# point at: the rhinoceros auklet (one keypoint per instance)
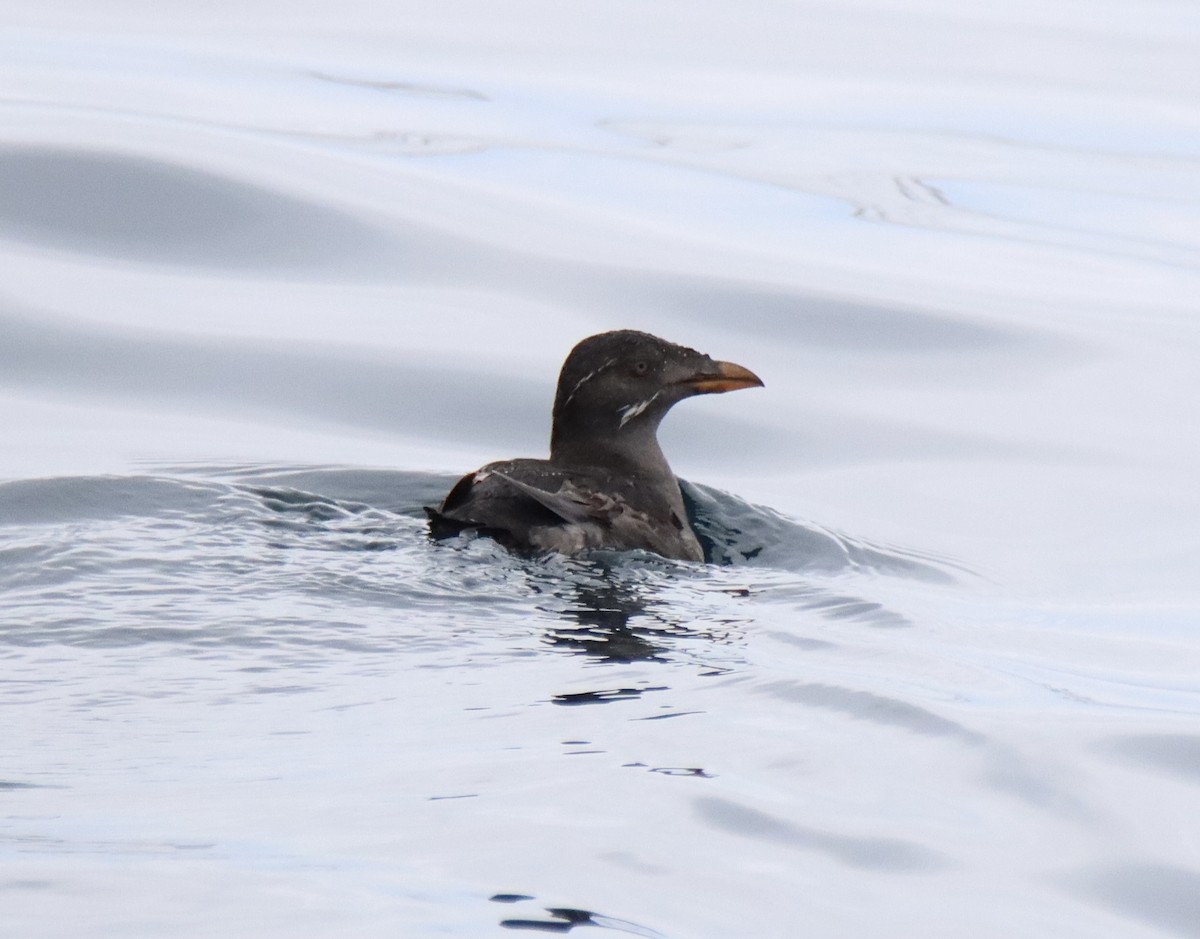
(606, 484)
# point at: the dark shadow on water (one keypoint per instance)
(397, 491)
(564, 919)
(866, 706)
(113, 204)
(305, 516)
(1176, 755)
(610, 617)
(893, 855)
(735, 532)
(576, 698)
(306, 505)
(84, 499)
(275, 380)
(1161, 896)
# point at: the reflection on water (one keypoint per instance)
(564, 920)
(609, 620)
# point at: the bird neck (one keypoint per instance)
(630, 451)
(640, 472)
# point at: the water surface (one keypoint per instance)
(275, 276)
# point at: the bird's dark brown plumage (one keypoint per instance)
(607, 484)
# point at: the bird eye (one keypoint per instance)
(641, 368)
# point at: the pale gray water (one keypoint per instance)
(275, 273)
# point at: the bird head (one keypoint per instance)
(615, 388)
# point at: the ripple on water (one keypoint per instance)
(1159, 895)
(340, 558)
(891, 854)
(134, 208)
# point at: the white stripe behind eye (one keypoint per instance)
(630, 411)
(586, 378)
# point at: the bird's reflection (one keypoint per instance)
(611, 615)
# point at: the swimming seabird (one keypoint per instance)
(607, 484)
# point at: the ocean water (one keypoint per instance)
(274, 275)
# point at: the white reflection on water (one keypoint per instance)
(947, 687)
